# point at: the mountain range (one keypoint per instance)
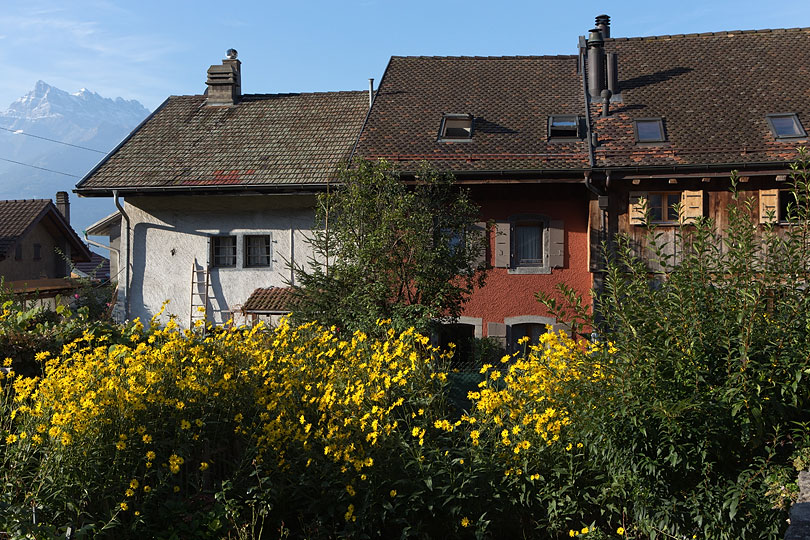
(83, 119)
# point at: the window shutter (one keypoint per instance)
(480, 228)
(556, 244)
(691, 206)
(768, 205)
(502, 244)
(637, 206)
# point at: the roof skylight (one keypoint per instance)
(785, 126)
(649, 130)
(563, 126)
(456, 127)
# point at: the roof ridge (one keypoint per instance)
(502, 57)
(723, 33)
(281, 94)
(25, 200)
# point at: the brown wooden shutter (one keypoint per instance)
(636, 207)
(768, 205)
(691, 206)
(480, 228)
(556, 244)
(502, 244)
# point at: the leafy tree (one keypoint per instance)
(702, 406)
(386, 250)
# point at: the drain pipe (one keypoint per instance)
(108, 248)
(126, 271)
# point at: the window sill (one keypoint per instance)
(529, 270)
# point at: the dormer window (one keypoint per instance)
(649, 130)
(563, 127)
(456, 127)
(785, 126)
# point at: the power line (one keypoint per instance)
(21, 132)
(40, 168)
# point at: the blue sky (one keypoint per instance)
(149, 50)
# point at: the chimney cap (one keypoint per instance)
(231, 54)
(602, 19)
(595, 38)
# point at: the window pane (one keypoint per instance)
(457, 128)
(649, 130)
(655, 204)
(257, 250)
(564, 126)
(224, 248)
(672, 210)
(786, 126)
(528, 244)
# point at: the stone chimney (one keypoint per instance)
(63, 204)
(225, 81)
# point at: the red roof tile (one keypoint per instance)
(270, 300)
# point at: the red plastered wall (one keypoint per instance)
(512, 295)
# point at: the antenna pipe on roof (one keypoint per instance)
(117, 202)
(370, 92)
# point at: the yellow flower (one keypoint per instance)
(393, 493)
(134, 483)
(584, 530)
(124, 507)
(120, 445)
(176, 489)
(147, 439)
(203, 466)
(129, 493)
(620, 531)
(11, 439)
(350, 490)
(147, 489)
(185, 424)
(465, 522)
(150, 455)
(572, 533)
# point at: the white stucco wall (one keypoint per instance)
(168, 234)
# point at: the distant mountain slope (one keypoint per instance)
(83, 119)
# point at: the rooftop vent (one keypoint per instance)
(225, 81)
(603, 24)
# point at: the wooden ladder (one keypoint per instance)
(200, 285)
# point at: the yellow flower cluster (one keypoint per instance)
(520, 404)
(291, 392)
(341, 397)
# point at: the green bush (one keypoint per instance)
(692, 431)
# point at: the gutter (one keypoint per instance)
(126, 272)
(108, 248)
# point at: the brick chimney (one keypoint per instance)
(225, 81)
(63, 204)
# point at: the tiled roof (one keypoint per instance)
(713, 92)
(264, 140)
(98, 267)
(18, 217)
(510, 98)
(270, 300)
(15, 219)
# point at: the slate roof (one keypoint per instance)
(18, 217)
(98, 267)
(270, 300)
(510, 98)
(713, 91)
(266, 140)
(15, 219)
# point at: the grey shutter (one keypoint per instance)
(502, 244)
(556, 244)
(480, 229)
